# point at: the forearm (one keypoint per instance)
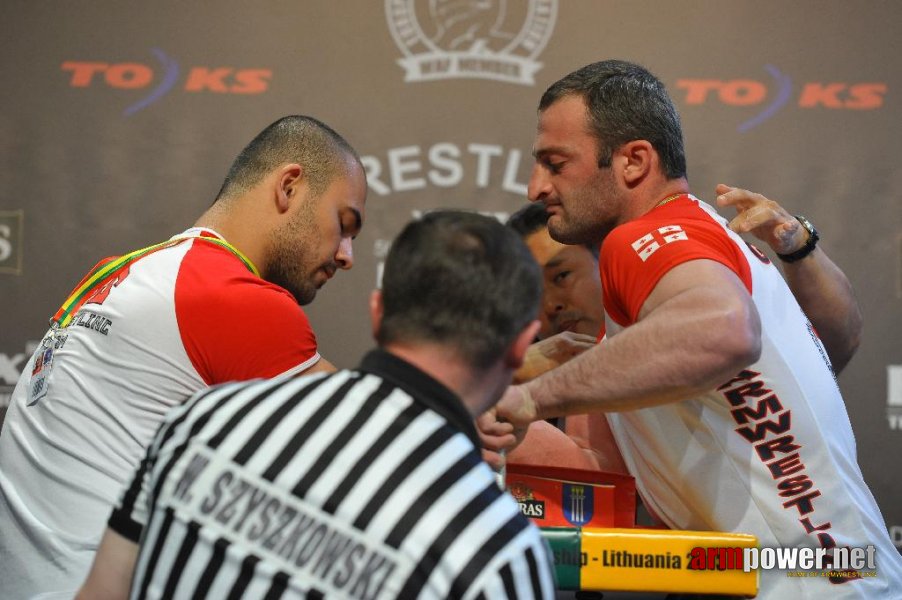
(678, 352)
(826, 296)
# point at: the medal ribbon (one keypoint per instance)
(104, 271)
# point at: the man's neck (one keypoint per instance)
(478, 390)
(655, 196)
(240, 227)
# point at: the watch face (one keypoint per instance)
(809, 244)
(812, 232)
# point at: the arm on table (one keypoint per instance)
(592, 432)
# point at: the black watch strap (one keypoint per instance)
(809, 246)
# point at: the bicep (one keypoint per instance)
(703, 307)
(710, 283)
(114, 564)
(255, 332)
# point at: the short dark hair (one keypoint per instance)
(533, 217)
(528, 219)
(625, 103)
(318, 148)
(462, 279)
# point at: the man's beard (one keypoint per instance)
(586, 223)
(288, 276)
(290, 252)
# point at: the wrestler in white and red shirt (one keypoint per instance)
(770, 451)
(165, 326)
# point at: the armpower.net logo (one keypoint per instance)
(839, 564)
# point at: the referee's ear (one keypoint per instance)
(517, 350)
(376, 309)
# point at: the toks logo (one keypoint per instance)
(132, 75)
(749, 92)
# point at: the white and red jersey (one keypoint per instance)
(169, 324)
(770, 452)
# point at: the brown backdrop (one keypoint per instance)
(119, 121)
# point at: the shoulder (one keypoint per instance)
(235, 325)
(637, 254)
(213, 277)
(664, 225)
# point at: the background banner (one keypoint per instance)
(120, 120)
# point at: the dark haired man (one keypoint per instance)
(719, 393)
(571, 295)
(359, 484)
(219, 302)
(571, 290)
(571, 302)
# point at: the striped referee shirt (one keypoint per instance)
(360, 484)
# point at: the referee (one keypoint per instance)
(360, 484)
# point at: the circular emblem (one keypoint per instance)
(487, 39)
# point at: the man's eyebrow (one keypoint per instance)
(554, 262)
(358, 220)
(542, 152)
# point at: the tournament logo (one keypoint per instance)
(483, 39)
(11, 230)
(578, 503)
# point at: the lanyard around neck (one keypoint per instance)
(104, 272)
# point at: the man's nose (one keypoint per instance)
(539, 184)
(345, 255)
(552, 304)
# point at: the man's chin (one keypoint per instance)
(305, 296)
(559, 231)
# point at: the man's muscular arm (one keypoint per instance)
(819, 286)
(696, 329)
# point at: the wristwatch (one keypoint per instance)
(809, 245)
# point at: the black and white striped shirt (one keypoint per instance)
(360, 484)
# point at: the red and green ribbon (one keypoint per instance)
(104, 271)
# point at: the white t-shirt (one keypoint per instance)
(163, 327)
(770, 452)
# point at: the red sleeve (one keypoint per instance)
(236, 326)
(637, 254)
